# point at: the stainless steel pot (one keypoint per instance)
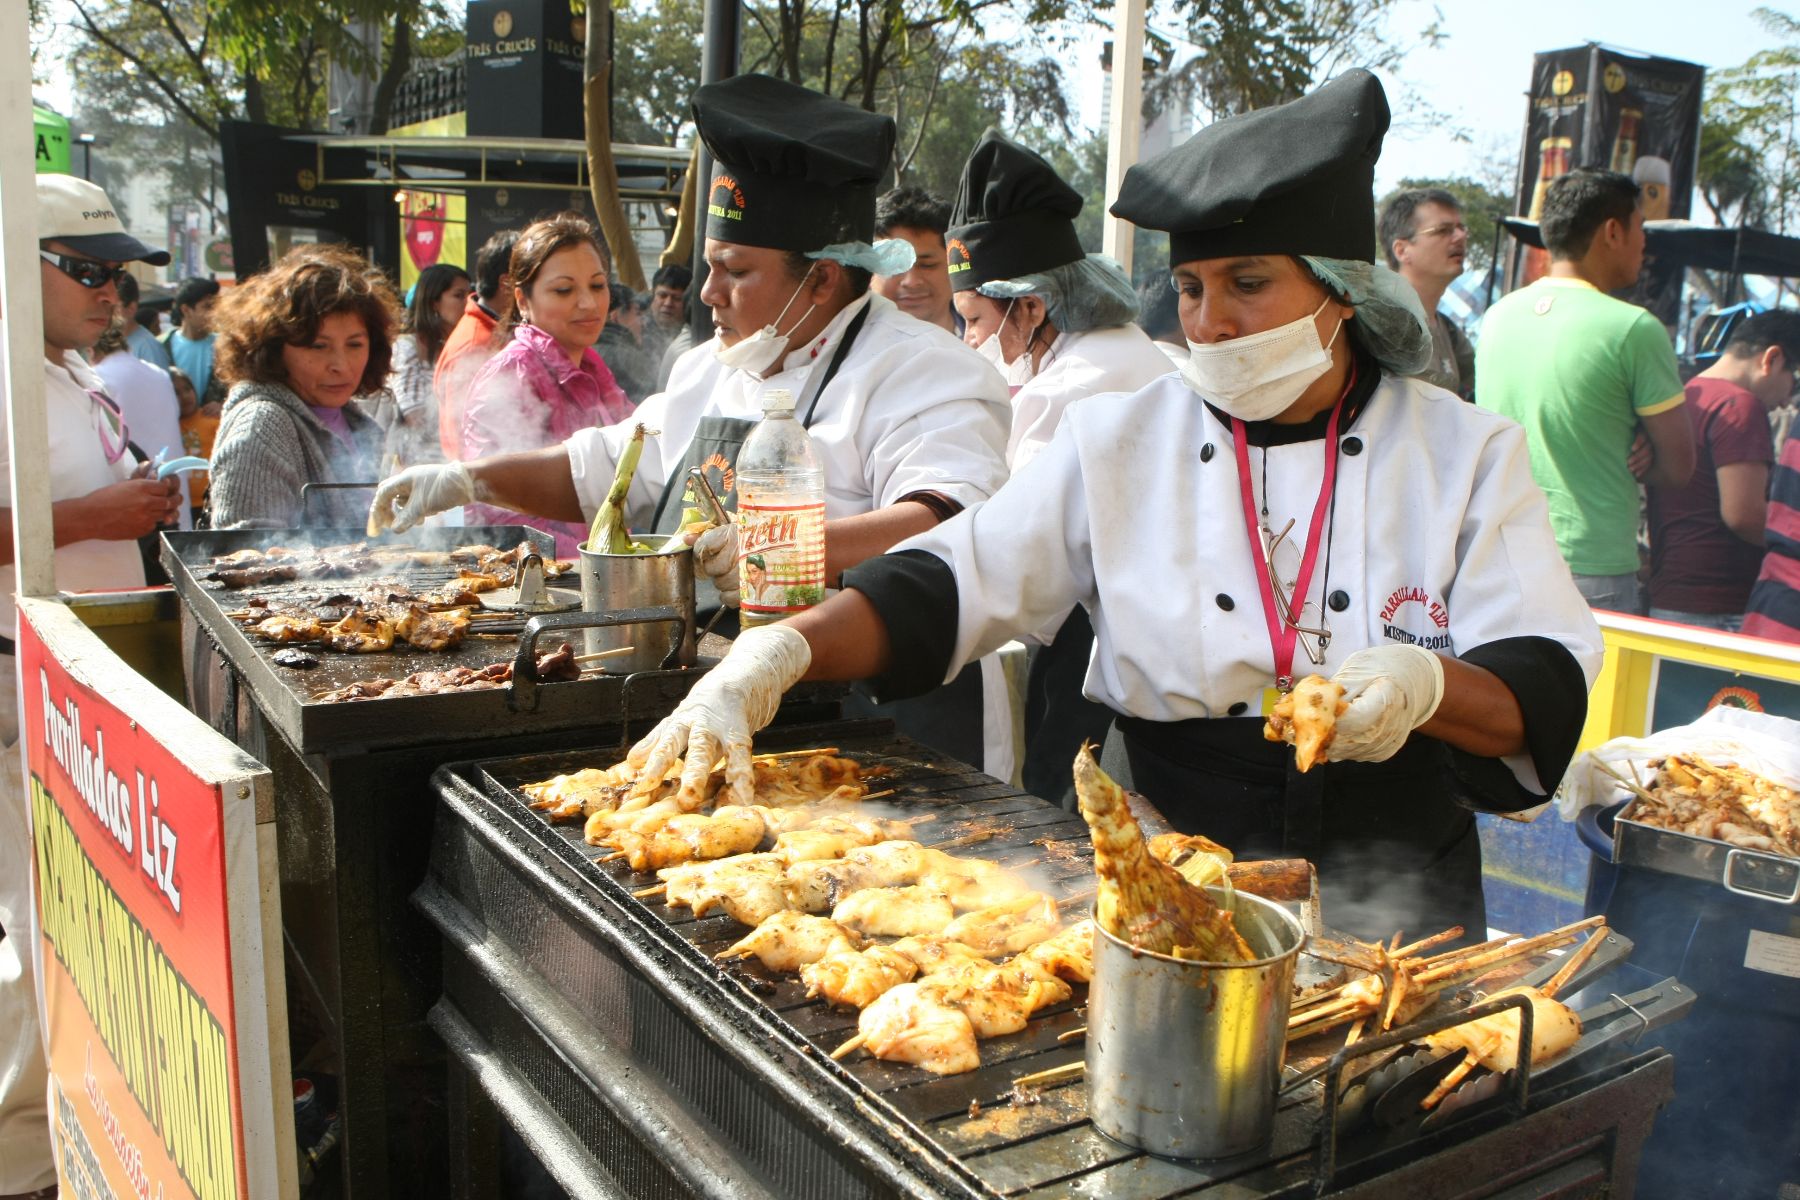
(614, 582)
(1184, 1058)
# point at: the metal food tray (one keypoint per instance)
(1758, 874)
(286, 696)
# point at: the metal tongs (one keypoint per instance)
(703, 488)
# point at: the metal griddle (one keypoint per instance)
(286, 696)
(600, 1026)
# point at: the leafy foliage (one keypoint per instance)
(1749, 168)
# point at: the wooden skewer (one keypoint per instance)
(848, 1048)
(620, 652)
(1069, 1035)
(644, 893)
(1074, 1070)
(1576, 961)
(1449, 964)
(891, 791)
(775, 754)
(1450, 1082)
(1436, 939)
(1356, 1030)
(612, 857)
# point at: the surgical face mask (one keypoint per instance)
(764, 348)
(1019, 371)
(1259, 376)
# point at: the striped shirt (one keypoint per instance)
(1774, 609)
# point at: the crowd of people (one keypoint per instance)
(1017, 443)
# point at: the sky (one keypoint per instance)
(1480, 73)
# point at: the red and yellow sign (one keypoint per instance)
(137, 971)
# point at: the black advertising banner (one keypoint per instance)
(1591, 106)
(492, 209)
(525, 67)
(277, 199)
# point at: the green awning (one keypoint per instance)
(52, 138)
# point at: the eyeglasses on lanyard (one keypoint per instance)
(1284, 600)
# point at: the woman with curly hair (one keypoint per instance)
(296, 343)
(546, 381)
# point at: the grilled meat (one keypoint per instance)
(894, 911)
(852, 978)
(360, 633)
(255, 576)
(1142, 901)
(909, 1024)
(1307, 718)
(428, 683)
(1069, 954)
(1006, 928)
(288, 628)
(432, 631)
(790, 941)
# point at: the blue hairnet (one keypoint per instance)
(890, 256)
(1390, 321)
(1090, 293)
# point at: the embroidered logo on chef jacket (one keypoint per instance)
(956, 255)
(1412, 605)
(721, 474)
(726, 199)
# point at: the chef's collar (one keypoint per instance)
(1269, 433)
(826, 338)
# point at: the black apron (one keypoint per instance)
(1058, 718)
(1394, 848)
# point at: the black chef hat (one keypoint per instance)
(1013, 216)
(1297, 178)
(793, 169)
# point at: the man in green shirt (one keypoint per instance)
(1585, 375)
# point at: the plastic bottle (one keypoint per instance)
(781, 516)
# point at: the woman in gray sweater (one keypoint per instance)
(297, 343)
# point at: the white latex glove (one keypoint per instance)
(732, 701)
(716, 553)
(404, 500)
(1390, 691)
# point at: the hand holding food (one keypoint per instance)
(1307, 718)
(403, 500)
(1389, 691)
(733, 700)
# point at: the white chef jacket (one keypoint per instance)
(1440, 538)
(1120, 359)
(77, 466)
(911, 409)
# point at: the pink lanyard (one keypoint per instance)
(113, 453)
(1282, 631)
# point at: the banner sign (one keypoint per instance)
(1590, 106)
(524, 67)
(164, 1074)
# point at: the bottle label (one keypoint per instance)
(781, 558)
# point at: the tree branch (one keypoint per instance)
(154, 77)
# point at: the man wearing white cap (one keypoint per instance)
(102, 501)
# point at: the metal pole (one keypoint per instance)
(1126, 123)
(721, 37)
(22, 302)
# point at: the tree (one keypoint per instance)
(1749, 168)
(655, 69)
(1255, 53)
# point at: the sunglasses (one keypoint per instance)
(88, 272)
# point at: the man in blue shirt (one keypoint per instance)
(190, 343)
(140, 341)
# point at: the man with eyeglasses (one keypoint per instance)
(1425, 240)
(102, 501)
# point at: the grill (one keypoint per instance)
(599, 1026)
(353, 817)
(285, 696)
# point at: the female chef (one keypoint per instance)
(1057, 323)
(1409, 552)
(910, 424)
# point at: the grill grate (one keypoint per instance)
(752, 1065)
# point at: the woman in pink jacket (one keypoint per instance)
(545, 381)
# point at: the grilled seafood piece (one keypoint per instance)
(286, 628)
(855, 978)
(818, 886)
(1142, 901)
(747, 887)
(908, 1024)
(360, 633)
(684, 837)
(432, 631)
(1307, 718)
(793, 941)
(895, 911)
(1006, 928)
(1068, 954)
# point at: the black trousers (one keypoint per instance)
(1058, 718)
(1394, 847)
(948, 719)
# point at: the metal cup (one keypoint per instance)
(1184, 1058)
(613, 582)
